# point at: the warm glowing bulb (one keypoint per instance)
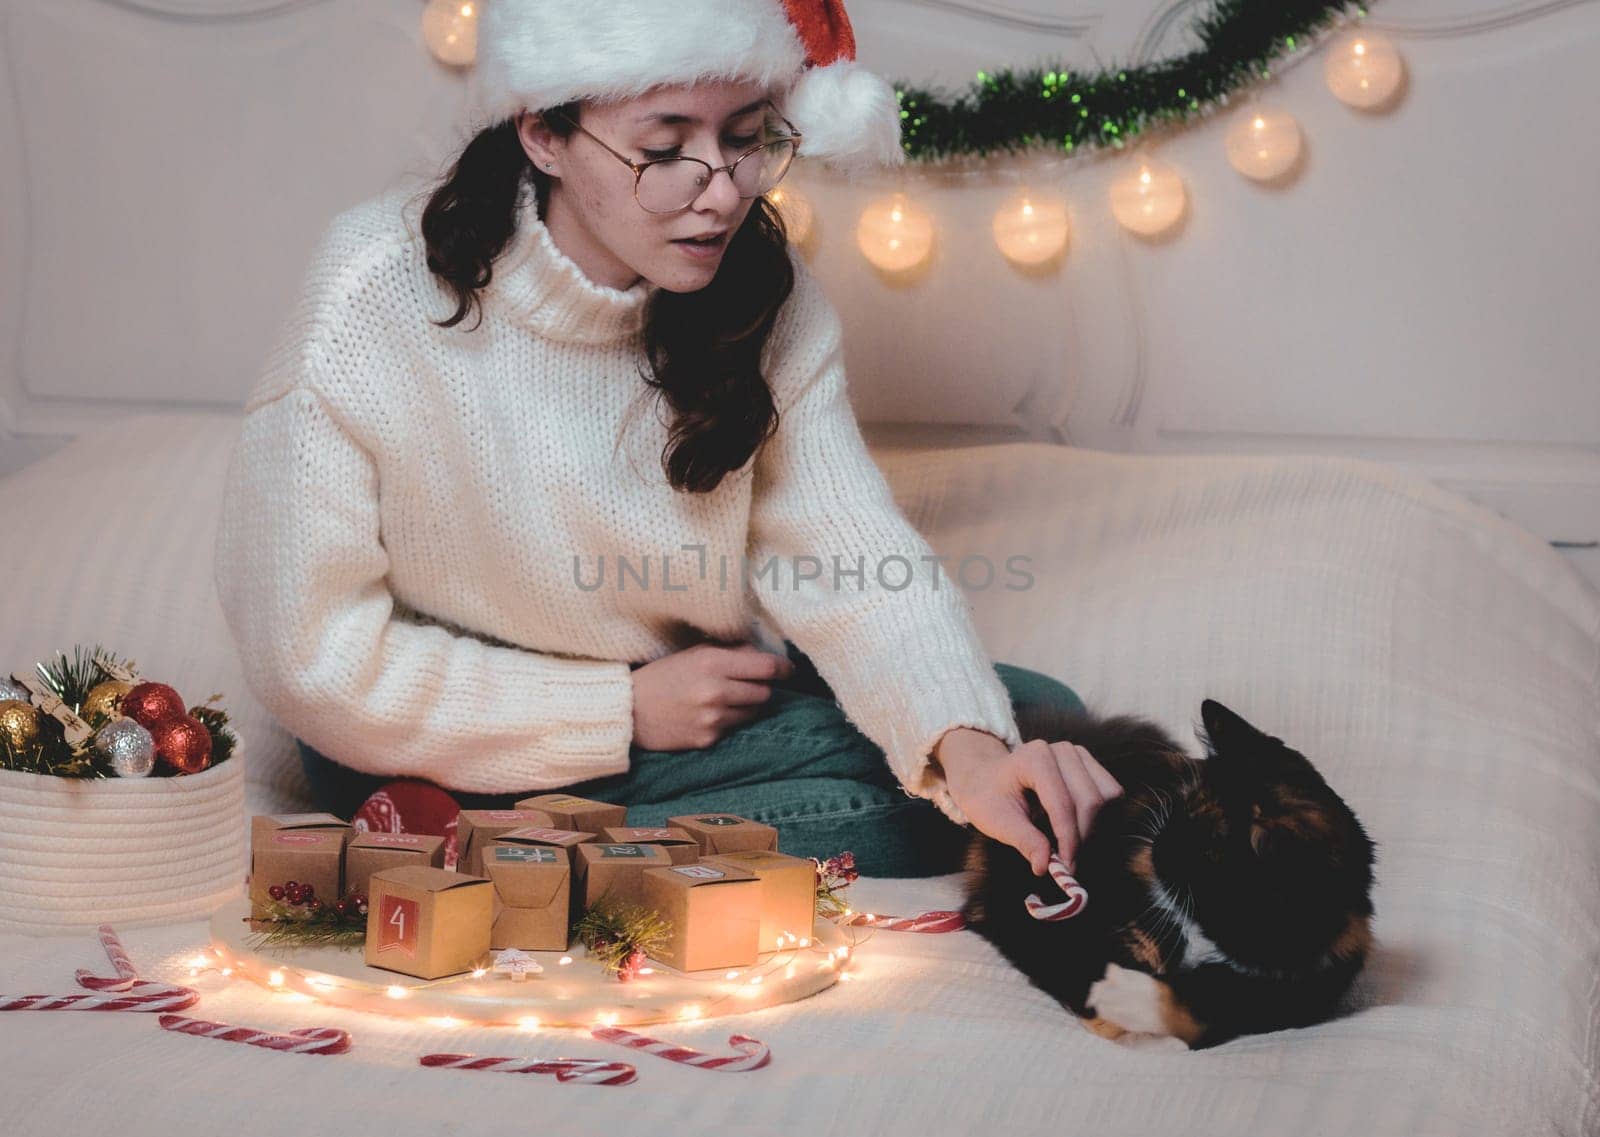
(478, 973)
(1263, 145)
(843, 975)
(1031, 228)
(321, 983)
(895, 234)
(199, 961)
(841, 952)
(1151, 200)
(608, 1018)
(731, 975)
(564, 960)
(1363, 70)
(690, 1013)
(805, 941)
(755, 979)
(445, 1021)
(227, 971)
(450, 29)
(395, 991)
(275, 979)
(796, 211)
(529, 1022)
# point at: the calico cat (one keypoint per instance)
(1227, 896)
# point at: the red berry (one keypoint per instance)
(291, 884)
(316, 905)
(276, 892)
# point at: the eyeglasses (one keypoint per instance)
(668, 185)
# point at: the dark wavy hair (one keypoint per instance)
(703, 348)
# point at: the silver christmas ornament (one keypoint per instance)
(10, 689)
(128, 746)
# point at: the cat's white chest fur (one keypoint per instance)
(1198, 947)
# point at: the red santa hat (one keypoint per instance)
(536, 54)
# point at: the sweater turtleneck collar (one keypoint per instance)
(542, 288)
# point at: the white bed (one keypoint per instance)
(1439, 664)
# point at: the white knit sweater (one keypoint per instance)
(415, 518)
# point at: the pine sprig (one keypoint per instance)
(343, 925)
(1059, 108)
(614, 930)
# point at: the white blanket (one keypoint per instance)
(1441, 666)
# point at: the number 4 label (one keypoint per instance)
(397, 925)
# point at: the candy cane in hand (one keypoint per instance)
(592, 1071)
(311, 1040)
(753, 1052)
(1077, 895)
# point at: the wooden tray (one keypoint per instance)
(579, 993)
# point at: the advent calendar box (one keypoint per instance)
(303, 847)
(532, 885)
(368, 853)
(613, 870)
(571, 812)
(788, 893)
(726, 832)
(475, 828)
(428, 922)
(679, 843)
(715, 911)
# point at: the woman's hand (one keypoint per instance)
(690, 698)
(987, 782)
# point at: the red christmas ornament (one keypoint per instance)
(151, 704)
(184, 744)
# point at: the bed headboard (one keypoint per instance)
(1420, 290)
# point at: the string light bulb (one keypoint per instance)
(450, 29)
(1031, 228)
(1263, 142)
(796, 211)
(1363, 70)
(895, 233)
(1150, 199)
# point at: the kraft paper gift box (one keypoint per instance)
(715, 912)
(368, 853)
(304, 847)
(679, 843)
(428, 922)
(533, 895)
(788, 893)
(475, 828)
(544, 835)
(612, 870)
(726, 832)
(571, 812)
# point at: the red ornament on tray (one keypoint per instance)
(151, 704)
(184, 744)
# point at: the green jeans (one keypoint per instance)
(801, 767)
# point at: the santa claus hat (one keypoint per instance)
(535, 54)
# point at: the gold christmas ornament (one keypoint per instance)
(105, 698)
(19, 724)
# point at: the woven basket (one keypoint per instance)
(77, 852)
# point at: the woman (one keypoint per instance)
(434, 529)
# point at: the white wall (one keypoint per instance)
(1420, 291)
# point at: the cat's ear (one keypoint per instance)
(1223, 727)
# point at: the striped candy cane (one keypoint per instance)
(143, 997)
(126, 975)
(591, 1071)
(753, 1052)
(1077, 895)
(311, 1040)
(938, 920)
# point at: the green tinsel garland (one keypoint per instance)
(1054, 107)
